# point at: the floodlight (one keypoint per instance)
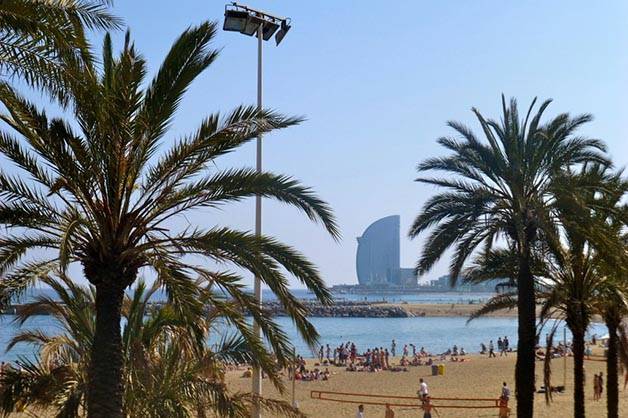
(269, 29)
(285, 27)
(235, 20)
(252, 24)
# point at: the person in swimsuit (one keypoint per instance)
(428, 407)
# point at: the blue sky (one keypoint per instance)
(377, 81)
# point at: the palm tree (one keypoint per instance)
(169, 369)
(570, 283)
(501, 188)
(614, 307)
(103, 198)
(38, 38)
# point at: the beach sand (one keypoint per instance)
(479, 377)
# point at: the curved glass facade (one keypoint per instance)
(378, 259)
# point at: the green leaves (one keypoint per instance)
(502, 187)
(39, 40)
(168, 368)
(100, 192)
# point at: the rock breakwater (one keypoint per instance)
(345, 309)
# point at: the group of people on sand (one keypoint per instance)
(503, 347)
(560, 350)
(598, 386)
(379, 358)
(342, 355)
(302, 373)
(424, 398)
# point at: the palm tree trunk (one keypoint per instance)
(524, 369)
(612, 389)
(578, 373)
(105, 386)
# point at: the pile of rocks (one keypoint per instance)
(345, 309)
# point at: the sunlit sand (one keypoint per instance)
(479, 377)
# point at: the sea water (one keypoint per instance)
(436, 334)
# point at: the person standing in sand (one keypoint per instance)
(595, 388)
(360, 413)
(393, 348)
(389, 412)
(428, 407)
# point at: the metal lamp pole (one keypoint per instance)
(257, 287)
(248, 21)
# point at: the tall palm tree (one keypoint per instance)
(571, 284)
(169, 369)
(501, 188)
(101, 196)
(38, 38)
(612, 307)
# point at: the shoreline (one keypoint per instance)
(461, 310)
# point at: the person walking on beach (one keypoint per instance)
(389, 412)
(360, 413)
(428, 407)
(491, 349)
(320, 354)
(505, 392)
(328, 352)
(504, 411)
(423, 390)
(393, 348)
(600, 384)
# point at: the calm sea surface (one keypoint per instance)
(435, 334)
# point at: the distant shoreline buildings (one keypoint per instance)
(378, 259)
(378, 265)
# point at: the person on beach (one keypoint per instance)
(328, 352)
(504, 411)
(600, 384)
(423, 390)
(360, 413)
(389, 412)
(596, 389)
(505, 392)
(405, 350)
(393, 348)
(491, 349)
(428, 407)
(500, 344)
(382, 358)
(320, 354)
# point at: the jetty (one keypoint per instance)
(345, 309)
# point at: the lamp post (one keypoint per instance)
(248, 21)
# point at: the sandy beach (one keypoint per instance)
(479, 377)
(449, 309)
(456, 310)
